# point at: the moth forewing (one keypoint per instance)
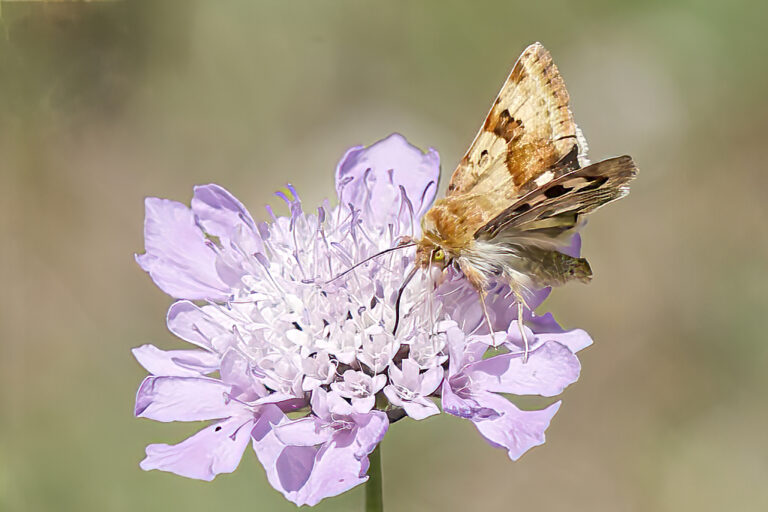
(559, 204)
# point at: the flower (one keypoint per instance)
(280, 327)
(410, 388)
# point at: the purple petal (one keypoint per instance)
(342, 463)
(303, 432)
(176, 363)
(294, 466)
(265, 442)
(235, 370)
(371, 178)
(546, 328)
(288, 468)
(214, 450)
(364, 404)
(177, 257)
(319, 404)
(378, 382)
(517, 431)
(196, 325)
(431, 380)
(456, 397)
(549, 369)
(391, 393)
(574, 247)
(420, 408)
(286, 402)
(371, 429)
(184, 399)
(336, 404)
(219, 212)
(307, 474)
(461, 350)
(333, 471)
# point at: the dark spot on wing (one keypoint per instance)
(595, 182)
(520, 209)
(506, 126)
(556, 191)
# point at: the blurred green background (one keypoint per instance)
(102, 104)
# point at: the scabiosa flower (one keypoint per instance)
(278, 331)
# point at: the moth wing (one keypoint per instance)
(544, 214)
(528, 130)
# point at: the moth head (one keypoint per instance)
(429, 253)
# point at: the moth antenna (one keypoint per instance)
(369, 258)
(400, 296)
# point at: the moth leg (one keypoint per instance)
(478, 281)
(482, 294)
(520, 309)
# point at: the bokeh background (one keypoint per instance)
(104, 103)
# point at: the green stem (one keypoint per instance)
(373, 494)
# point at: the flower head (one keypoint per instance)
(267, 310)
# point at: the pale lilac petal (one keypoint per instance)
(371, 428)
(549, 369)
(337, 405)
(265, 442)
(294, 466)
(334, 470)
(236, 371)
(214, 450)
(391, 393)
(288, 467)
(194, 324)
(410, 374)
(305, 475)
(319, 403)
(370, 178)
(574, 247)
(364, 404)
(176, 363)
(184, 399)
(378, 382)
(420, 408)
(456, 397)
(461, 350)
(546, 328)
(219, 212)
(177, 256)
(517, 431)
(395, 373)
(303, 432)
(430, 380)
(286, 402)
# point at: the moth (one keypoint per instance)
(519, 194)
(521, 191)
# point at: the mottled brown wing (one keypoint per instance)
(528, 130)
(545, 213)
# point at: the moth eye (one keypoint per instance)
(439, 255)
